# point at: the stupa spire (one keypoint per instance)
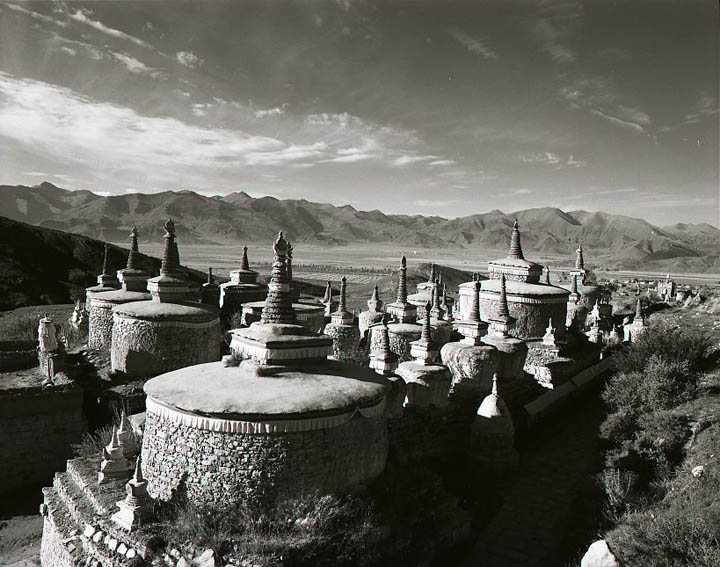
(431, 278)
(425, 335)
(244, 264)
(133, 261)
(375, 303)
(106, 266)
(289, 262)
(402, 282)
(328, 293)
(503, 311)
(515, 246)
(278, 305)
(579, 261)
(494, 390)
(170, 259)
(474, 314)
(342, 305)
(574, 285)
(210, 278)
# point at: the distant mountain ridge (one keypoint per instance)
(238, 218)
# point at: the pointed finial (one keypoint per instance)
(375, 303)
(106, 267)
(579, 261)
(328, 293)
(170, 227)
(171, 258)
(515, 246)
(210, 279)
(244, 264)
(343, 294)
(114, 441)
(431, 277)
(550, 327)
(638, 309)
(402, 282)
(132, 261)
(495, 385)
(574, 285)
(503, 310)
(547, 276)
(425, 336)
(474, 314)
(137, 475)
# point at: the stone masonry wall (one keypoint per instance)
(532, 318)
(100, 325)
(221, 467)
(37, 426)
(148, 348)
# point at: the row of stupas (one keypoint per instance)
(298, 407)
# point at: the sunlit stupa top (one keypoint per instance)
(514, 266)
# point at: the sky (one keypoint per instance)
(427, 107)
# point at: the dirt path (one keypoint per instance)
(549, 510)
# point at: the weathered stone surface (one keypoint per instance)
(215, 390)
(151, 337)
(346, 343)
(101, 317)
(401, 335)
(599, 555)
(427, 385)
(472, 369)
(512, 353)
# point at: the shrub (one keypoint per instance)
(92, 444)
(671, 343)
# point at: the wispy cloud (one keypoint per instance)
(67, 45)
(474, 44)
(37, 15)
(135, 66)
(189, 59)
(276, 111)
(541, 158)
(81, 16)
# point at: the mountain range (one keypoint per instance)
(237, 218)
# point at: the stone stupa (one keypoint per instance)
(301, 422)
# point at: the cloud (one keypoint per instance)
(66, 45)
(70, 128)
(558, 24)
(68, 50)
(623, 123)
(542, 158)
(37, 15)
(572, 162)
(189, 59)
(477, 45)
(291, 153)
(135, 66)
(523, 191)
(277, 111)
(442, 162)
(81, 17)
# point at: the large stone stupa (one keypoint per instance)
(168, 331)
(285, 421)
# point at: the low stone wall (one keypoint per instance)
(230, 462)
(53, 553)
(18, 355)
(149, 348)
(37, 426)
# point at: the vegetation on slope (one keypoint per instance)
(662, 469)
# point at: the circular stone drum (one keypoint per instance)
(312, 317)
(232, 435)
(151, 337)
(100, 316)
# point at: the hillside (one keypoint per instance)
(43, 266)
(238, 218)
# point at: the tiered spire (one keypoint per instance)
(444, 303)
(106, 266)
(289, 262)
(210, 279)
(375, 303)
(424, 350)
(382, 359)
(170, 259)
(503, 310)
(436, 311)
(432, 277)
(402, 282)
(136, 506)
(278, 305)
(244, 264)
(133, 261)
(328, 293)
(639, 315)
(342, 316)
(114, 463)
(515, 246)
(579, 261)
(125, 436)
(474, 314)
(574, 285)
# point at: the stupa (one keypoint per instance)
(100, 304)
(427, 381)
(300, 422)
(512, 352)
(210, 292)
(167, 331)
(492, 447)
(344, 331)
(242, 288)
(530, 302)
(426, 291)
(638, 325)
(106, 281)
(137, 505)
(375, 313)
(404, 328)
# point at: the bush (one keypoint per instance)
(670, 343)
(312, 530)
